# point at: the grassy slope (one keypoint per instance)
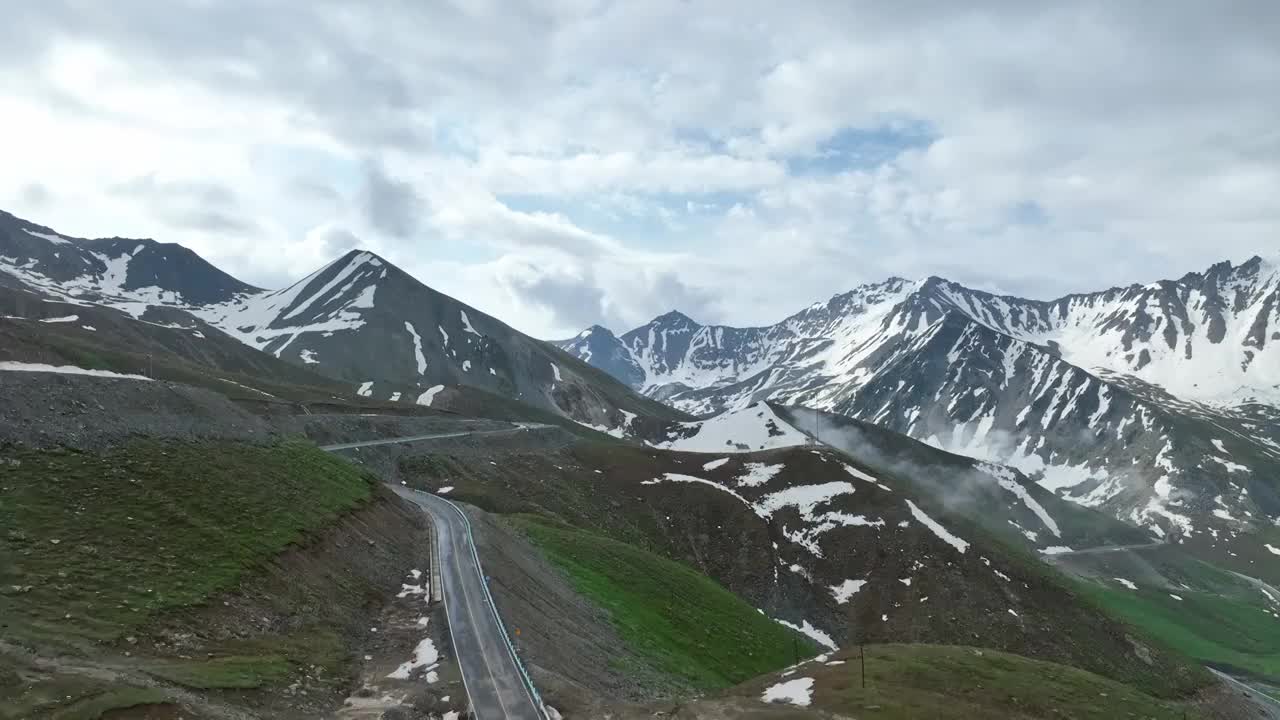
(1221, 619)
(105, 541)
(1213, 629)
(927, 681)
(684, 622)
(97, 546)
(568, 488)
(97, 704)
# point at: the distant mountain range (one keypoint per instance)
(359, 320)
(1159, 404)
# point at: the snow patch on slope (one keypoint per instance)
(798, 691)
(427, 397)
(55, 239)
(715, 464)
(65, 370)
(846, 590)
(756, 473)
(941, 532)
(1009, 481)
(681, 478)
(754, 428)
(417, 347)
(466, 324)
(805, 628)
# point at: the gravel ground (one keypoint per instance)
(341, 427)
(46, 410)
(384, 460)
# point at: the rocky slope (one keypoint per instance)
(1154, 403)
(359, 320)
(830, 544)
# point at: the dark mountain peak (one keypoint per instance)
(674, 319)
(889, 284)
(1250, 270)
(591, 336)
(359, 258)
(364, 255)
(1252, 266)
(597, 331)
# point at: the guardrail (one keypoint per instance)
(484, 583)
(435, 589)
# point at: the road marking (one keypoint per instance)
(526, 682)
(428, 506)
(449, 620)
(484, 655)
(445, 597)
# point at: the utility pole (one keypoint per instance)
(862, 655)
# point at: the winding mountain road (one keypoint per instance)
(1267, 706)
(494, 681)
(519, 427)
(496, 685)
(1105, 549)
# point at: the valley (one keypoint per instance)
(359, 498)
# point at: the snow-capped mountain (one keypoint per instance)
(358, 319)
(120, 272)
(1001, 499)
(1133, 400)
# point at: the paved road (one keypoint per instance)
(520, 427)
(1105, 549)
(1269, 708)
(493, 681)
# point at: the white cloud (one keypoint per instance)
(657, 142)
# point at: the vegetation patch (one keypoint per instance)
(919, 681)
(1226, 632)
(670, 614)
(221, 673)
(97, 543)
(95, 706)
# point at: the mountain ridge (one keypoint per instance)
(1008, 380)
(358, 319)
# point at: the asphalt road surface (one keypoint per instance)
(494, 683)
(520, 427)
(1105, 549)
(1269, 708)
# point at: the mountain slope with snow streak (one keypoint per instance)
(845, 556)
(1017, 382)
(359, 320)
(130, 275)
(753, 428)
(1003, 501)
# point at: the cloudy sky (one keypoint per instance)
(559, 163)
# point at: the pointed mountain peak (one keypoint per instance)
(674, 318)
(362, 257)
(596, 330)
